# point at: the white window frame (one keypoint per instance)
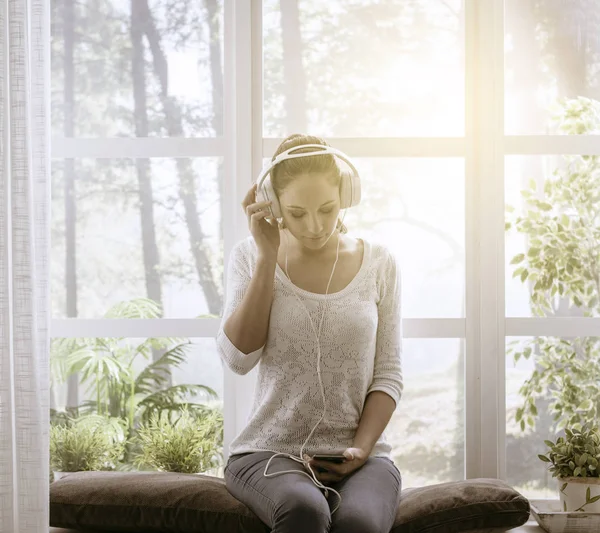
(483, 148)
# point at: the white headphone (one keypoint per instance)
(350, 191)
(350, 194)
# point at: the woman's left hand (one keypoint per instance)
(355, 458)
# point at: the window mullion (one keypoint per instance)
(485, 388)
(240, 100)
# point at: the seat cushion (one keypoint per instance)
(152, 502)
(471, 504)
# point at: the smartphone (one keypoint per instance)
(335, 458)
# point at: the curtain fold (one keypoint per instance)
(24, 265)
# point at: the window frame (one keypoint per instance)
(483, 148)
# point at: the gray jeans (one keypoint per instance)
(291, 503)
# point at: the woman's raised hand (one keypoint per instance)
(265, 233)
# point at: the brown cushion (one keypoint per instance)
(461, 506)
(149, 502)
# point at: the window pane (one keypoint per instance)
(554, 237)
(137, 228)
(201, 368)
(368, 69)
(141, 73)
(564, 384)
(416, 207)
(552, 52)
(427, 431)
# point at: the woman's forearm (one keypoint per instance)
(378, 410)
(248, 325)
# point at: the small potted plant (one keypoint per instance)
(575, 461)
(84, 444)
(187, 445)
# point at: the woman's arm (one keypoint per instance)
(245, 323)
(248, 325)
(387, 370)
(376, 415)
(387, 381)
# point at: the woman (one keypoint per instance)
(277, 295)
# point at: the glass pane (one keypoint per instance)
(155, 72)
(551, 54)
(427, 432)
(553, 242)
(416, 207)
(200, 368)
(564, 383)
(364, 69)
(137, 228)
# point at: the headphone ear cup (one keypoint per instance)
(349, 190)
(267, 194)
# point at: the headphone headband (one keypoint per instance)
(287, 154)
(322, 149)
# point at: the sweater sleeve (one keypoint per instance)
(238, 279)
(387, 370)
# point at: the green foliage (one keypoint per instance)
(568, 374)
(106, 364)
(187, 446)
(577, 455)
(577, 116)
(86, 443)
(564, 238)
(562, 226)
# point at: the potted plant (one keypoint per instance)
(84, 444)
(189, 445)
(575, 461)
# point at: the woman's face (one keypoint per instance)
(310, 205)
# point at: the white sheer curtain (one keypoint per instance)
(24, 265)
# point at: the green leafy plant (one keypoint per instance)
(107, 365)
(186, 446)
(86, 443)
(562, 224)
(575, 455)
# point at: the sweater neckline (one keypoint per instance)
(319, 296)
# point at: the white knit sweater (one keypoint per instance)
(361, 349)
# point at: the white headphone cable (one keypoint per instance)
(318, 336)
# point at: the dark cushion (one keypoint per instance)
(471, 504)
(149, 502)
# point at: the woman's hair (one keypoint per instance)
(286, 171)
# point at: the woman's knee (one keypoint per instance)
(356, 522)
(307, 510)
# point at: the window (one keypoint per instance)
(138, 177)
(427, 431)
(363, 69)
(551, 54)
(137, 234)
(450, 110)
(552, 240)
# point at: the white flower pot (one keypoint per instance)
(574, 492)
